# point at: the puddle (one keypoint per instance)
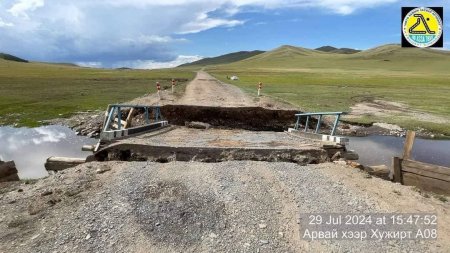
(377, 150)
(30, 147)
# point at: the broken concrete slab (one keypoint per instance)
(8, 171)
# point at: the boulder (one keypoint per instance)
(8, 171)
(197, 125)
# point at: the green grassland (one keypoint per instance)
(321, 81)
(31, 92)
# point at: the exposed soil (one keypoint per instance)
(380, 108)
(240, 206)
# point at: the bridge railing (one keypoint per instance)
(320, 115)
(115, 127)
(114, 115)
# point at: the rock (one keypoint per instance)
(262, 242)
(336, 156)
(35, 236)
(91, 134)
(103, 169)
(197, 125)
(351, 155)
(8, 171)
(88, 237)
(355, 165)
(47, 192)
(340, 162)
(262, 226)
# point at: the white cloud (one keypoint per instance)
(21, 7)
(203, 22)
(114, 31)
(149, 64)
(5, 24)
(47, 135)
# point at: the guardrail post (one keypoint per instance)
(146, 115)
(156, 113)
(297, 123)
(307, 123)
(119, 117)
(333, 132)
(318, 123)
(110, 116)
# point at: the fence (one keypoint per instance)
(425, 176)
(319, 120)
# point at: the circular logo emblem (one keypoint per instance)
(422, 27)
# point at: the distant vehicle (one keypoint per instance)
(234, 78)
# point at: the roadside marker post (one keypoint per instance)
(173, 85)
(158, 86)
(259, 88)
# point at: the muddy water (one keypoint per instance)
(377, 150)
(30, 147)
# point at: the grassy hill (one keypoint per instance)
(30, 92)
(344, 50)
(322, 81)
(9, 57)
(223, 59)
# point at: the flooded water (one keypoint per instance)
(30, 147)
(377, 150)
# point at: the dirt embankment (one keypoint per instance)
(235, 206)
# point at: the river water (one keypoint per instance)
(30, 147)
(378, 150)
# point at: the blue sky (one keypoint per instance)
(164, 33)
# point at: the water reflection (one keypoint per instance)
(30, 147)
(377, 150)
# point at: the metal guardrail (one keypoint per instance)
(319, 120)
(116, 110)
(115, 127)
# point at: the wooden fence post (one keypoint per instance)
(409, 142)
(396, 165)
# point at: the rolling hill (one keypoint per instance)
(344, 50)
(386, 57)
(9, 57)
(224, 59)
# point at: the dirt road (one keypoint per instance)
(205, 90)
(239, 206)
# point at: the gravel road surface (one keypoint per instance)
(239, 206)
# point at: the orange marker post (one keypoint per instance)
(259, 88)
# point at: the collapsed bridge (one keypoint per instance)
(246, 140)
(143, 133)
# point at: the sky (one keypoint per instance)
(165, 33)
